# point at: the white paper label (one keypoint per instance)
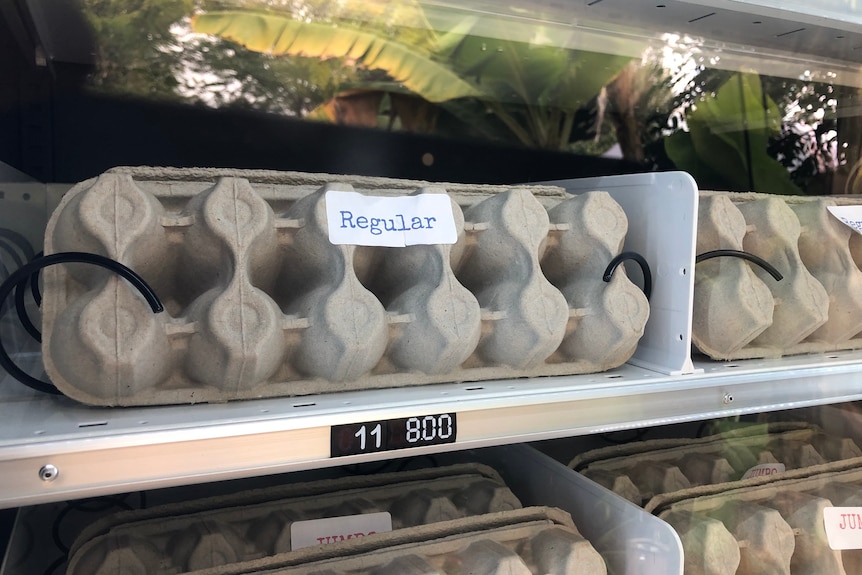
(843, 527)
(359, 220)
(764, 469)
(850, 215)
(337, 529)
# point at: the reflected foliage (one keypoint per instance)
(390, 65)
(728, 137)
(133, 44)
(531, 89)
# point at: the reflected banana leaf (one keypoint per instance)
(531, 88)
(279, 34)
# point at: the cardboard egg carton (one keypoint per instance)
(775, 523)
(639, 471)
(260, 303)
(525, 541)
(203, 533)
(740, 311)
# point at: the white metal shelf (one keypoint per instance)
(821, 41)
(101, 451)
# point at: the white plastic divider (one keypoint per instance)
(630, 540)
(662, 214)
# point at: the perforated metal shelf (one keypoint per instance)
(100, 451)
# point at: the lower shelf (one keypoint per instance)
(629, 539)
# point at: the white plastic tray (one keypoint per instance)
(631, 541)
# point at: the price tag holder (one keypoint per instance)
(328, 530)
(851, 216)
(359, 220)
(392, 434)
(843, 527)
(765, 469)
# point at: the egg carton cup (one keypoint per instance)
(199, 534)
(638, 471)
(740, 311)
(525, 541)
(259, 303)
(776, 522)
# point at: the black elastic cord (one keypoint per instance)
(21, 308)
(4, 273)
(612, 267)
(23, 316)
(20, 241)
(23, 274)
(6, 247)
(34, 284)
(742, 255)
(16, 259)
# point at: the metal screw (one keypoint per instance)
(48, 473)
(728, 398)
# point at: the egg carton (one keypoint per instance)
(771, 525)
(528, 541)
(740, 311)
(260, 303)
(199, 534)
(638, 471)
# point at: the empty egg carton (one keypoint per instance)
(776, 522)
(199, 534)
(741, 311)
(639, 471)
(525, 541)
(260, 303)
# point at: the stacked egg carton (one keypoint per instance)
(767, 524)
(740, 311)
(260, 303)
(638, 471)
(252, 531)
(524, 542)
(651, 472)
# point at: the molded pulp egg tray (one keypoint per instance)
(641, 470)
(733, 523)
(259, 302)
(253, 531)
(772, 524)
(741, 312)
(522, 541)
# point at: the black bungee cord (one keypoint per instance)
(7, 248)
(18, 281)
(640, 260)
(20, 242)
(742, 255)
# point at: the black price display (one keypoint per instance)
(372, 436)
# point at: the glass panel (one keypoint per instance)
(666, 86)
